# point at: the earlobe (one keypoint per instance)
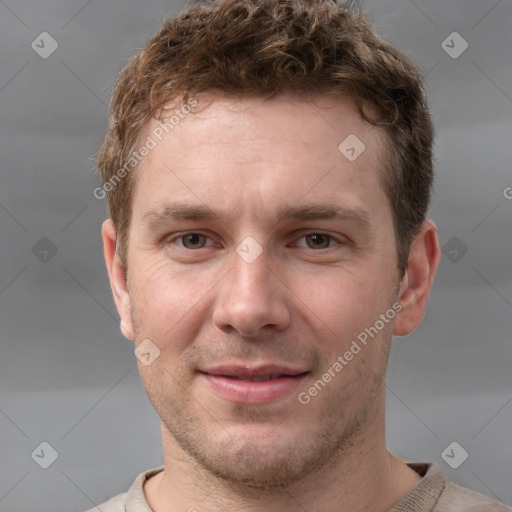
(117, 277)
(127, 332)
(424, 256)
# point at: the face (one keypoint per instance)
(258, 250)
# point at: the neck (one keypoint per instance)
(365, 476)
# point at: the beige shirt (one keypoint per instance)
(433, 493)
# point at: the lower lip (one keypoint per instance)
(253, 392)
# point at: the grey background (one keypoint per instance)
(68, 377)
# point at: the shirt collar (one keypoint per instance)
(421, 498)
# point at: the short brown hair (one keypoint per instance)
(262, 48)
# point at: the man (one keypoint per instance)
(268, 169)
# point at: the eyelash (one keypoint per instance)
(331, 238)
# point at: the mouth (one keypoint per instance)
(258, 378)
(259, 385)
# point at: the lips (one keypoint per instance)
(260, 378)
(256, 385)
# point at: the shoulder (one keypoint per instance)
(134, 500)
(115, 504)
(456, 498)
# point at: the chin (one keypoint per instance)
(260, 460)
(253, 466)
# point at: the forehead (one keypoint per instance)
(291, 117)
(255, 149)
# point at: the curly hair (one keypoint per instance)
(263, 48)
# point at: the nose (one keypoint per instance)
(252, 297)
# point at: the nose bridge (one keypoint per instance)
(251, 288)
(252, 296)
(251, 275)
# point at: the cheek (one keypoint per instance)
(167, 302)
(339, 302)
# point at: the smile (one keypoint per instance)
(252, 386)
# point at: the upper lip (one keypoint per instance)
(247, 372)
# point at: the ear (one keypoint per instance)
(117, 277)
(424, 257)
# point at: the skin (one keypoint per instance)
(201, 303)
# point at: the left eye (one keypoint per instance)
(318, 241)
(193, 240)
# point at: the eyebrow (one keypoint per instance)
(180, 211)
